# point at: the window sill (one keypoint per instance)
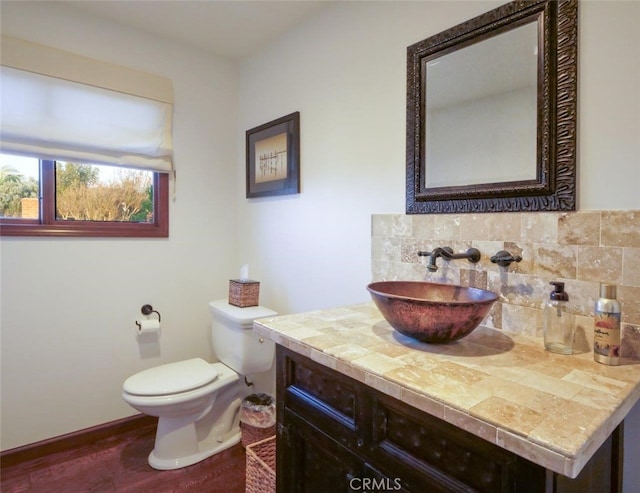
(85, 229)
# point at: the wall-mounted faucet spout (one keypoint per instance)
(472, 255)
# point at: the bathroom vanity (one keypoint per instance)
(360, 405)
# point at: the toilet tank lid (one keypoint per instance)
(241, 316)
(171, 378)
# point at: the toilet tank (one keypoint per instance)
(234, 341)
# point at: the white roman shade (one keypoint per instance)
(59, 105)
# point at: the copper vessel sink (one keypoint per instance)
(430, 312)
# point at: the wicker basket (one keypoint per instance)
(244, 293)
(253, 434)
(261, 466)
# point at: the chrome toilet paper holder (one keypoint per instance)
(148, 310)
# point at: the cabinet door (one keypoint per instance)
(328, 400)
(311, 462)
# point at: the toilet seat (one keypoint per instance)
(171, 378)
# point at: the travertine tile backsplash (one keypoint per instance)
(582, 249)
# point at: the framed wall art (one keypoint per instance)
(273, 157)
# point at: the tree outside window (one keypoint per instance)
(80, 199)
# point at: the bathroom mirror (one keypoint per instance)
(491, 112)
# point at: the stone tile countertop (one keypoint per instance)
(554, 410)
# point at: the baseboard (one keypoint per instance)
(72, 440)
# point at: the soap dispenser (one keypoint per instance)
(559, 323)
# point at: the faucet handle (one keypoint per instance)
(504, 258)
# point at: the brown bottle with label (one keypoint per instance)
(606, 335)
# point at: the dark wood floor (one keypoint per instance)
(119, 464)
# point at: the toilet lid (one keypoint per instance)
(171, 378)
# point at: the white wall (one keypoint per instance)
(609, 105)
(345, 72)
(69, 305)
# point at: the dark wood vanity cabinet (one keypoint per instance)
(335, 434)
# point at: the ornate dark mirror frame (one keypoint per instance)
(555, 186)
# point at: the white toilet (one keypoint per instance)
(198, 403)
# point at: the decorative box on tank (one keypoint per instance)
(243, 292)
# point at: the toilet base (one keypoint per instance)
(169, 464)
(183, 440)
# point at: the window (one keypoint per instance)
(70, 112)
(58, 198)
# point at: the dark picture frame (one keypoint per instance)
(273, 157)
